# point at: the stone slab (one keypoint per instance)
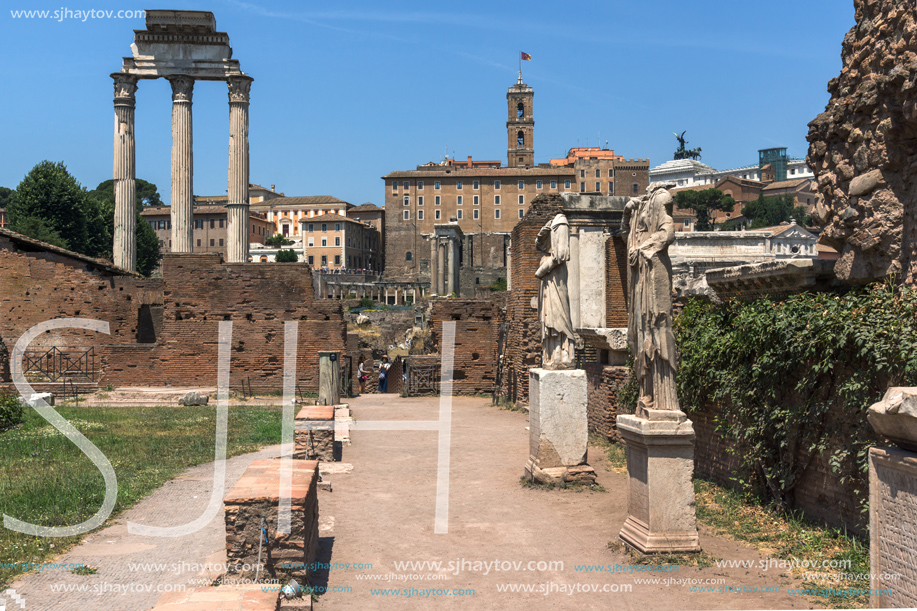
(558, 424)
(892, 527)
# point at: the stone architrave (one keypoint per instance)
(893, 501)
(237, 231)
(659, 437)
(329, 377)
(125, 173)
(182, 164)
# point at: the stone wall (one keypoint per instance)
(522, 331)
(476, 336)
(615, 282)
(603, 383)
(863, 148)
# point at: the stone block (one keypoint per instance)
(892, 528)
(895, 417)
(660, 464)
(34, 398)
(193, 398)
(256, 496)
(314, 433)
(558, 426)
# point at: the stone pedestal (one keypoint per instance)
(314, 433)
(892, 529)
(329, 376)
(660, 463)
(558, 427)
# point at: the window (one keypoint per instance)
(610, 173)
(496, 214)
(520, 138)
(324, 241)
(567, 184)
(476, 200)
(162, 224)
(582, 173)
(458, 200)
(436, 215)
(221, 223)
(406, 185)
(311, 260)
(198, 242)
(408, 256)
(324, 227)
(520, 110)
(168, 224)
(582, 187)
(337, 240)
(598, 173)
(475, 215)
(211, 241)
(436, 185)
(553, 184)
(496, 200)
(337, 226)
(636, 187)
(476, 184)
(436, 200)
(324, 260)
(420, 215)
(458, 184)
(521, 185)
(311, 241)
(199, 224)
(687, 222)
(521, 200)
(496, 184)
(407, 200)
(221, 241)
(311, 227)
(153, 224)
(420, 185)
(212, 223)
(394, 187)
(459, 215)
(420, 200)
(337, 259)
(521, 212)
(598, 186)
(538, 184)
(407, 215)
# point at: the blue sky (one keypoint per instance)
(346, 92)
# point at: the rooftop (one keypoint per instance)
(479, 172)
(27, 244)
(305, 200)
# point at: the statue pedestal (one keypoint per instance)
(660, 463)
(558, 427)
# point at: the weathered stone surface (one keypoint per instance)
(329, 376)
(314, 433)
(861, 148)
(892, 529)
(895, 416)
(193, 398)
(34, 398)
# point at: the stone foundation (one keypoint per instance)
(314, 434)
(257, 495)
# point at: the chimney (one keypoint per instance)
(272, 187)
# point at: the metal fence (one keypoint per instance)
(422, 375)
(58, 364)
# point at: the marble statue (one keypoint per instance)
(557, 337)
(650, 230)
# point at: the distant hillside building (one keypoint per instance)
(773, 166)
(487, 200)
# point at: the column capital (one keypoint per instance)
(182, 87)
(125, 86)
(239, 88)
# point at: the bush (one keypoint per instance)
(11, 410)
(498, 285)
(286, 256)
(366, 303)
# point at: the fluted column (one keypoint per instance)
(237, 208)
(434, 263)
(182, 164)
(124, 173)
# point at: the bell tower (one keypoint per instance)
(520, 126)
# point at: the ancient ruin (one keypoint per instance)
(182, 47)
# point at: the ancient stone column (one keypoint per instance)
(237, 208)
(434, 267)
(182, 164)
(124, 245)
(440, 267)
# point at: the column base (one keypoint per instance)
(660, 465)
(575, 474)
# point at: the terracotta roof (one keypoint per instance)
(33, 245)
(479, 172)
(331, 217)
(367, 207)
(787, 184)
(305, 200)
(819, 247)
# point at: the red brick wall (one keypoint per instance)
(522, 331)
(476, 335)
(616, 282)
(602, 384)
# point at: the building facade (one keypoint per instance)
(335, 242)
(210, 227)
(773, 165)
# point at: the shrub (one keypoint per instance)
(11, 410)
(286, 256)
(366, 303)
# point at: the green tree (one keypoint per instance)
(277, 240)
(146, 192)
(6, 194)
(704, 203)
(287, 256)
(771, 211)
(48, 192)
(148, 253)
(37, 229)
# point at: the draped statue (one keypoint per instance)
(557, 340)
(649, 228)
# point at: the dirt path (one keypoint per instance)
(383, 512)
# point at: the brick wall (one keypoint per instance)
(615, 282)
(476, 335)
(602, 384)
(522, 331)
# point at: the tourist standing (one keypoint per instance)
(362, 374)
(383, 374)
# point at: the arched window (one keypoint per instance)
(520, 138)
(264, 258)
(520, 110)
(408, 256)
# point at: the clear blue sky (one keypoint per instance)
(346, 92)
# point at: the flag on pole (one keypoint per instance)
(526, 56)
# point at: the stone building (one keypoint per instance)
(487, 199)
(336, 242)
(689, 172)
(210, 226)
(285, 213)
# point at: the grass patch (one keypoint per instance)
(45, 479)
(788, 537)
(84, 570)
(700, 559)
(507, 405)
(527, 482)
(615, 454)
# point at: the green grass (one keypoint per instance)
(507, 405)
(45, 479)
(527, 482)
(615, 454)
(700, 560)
